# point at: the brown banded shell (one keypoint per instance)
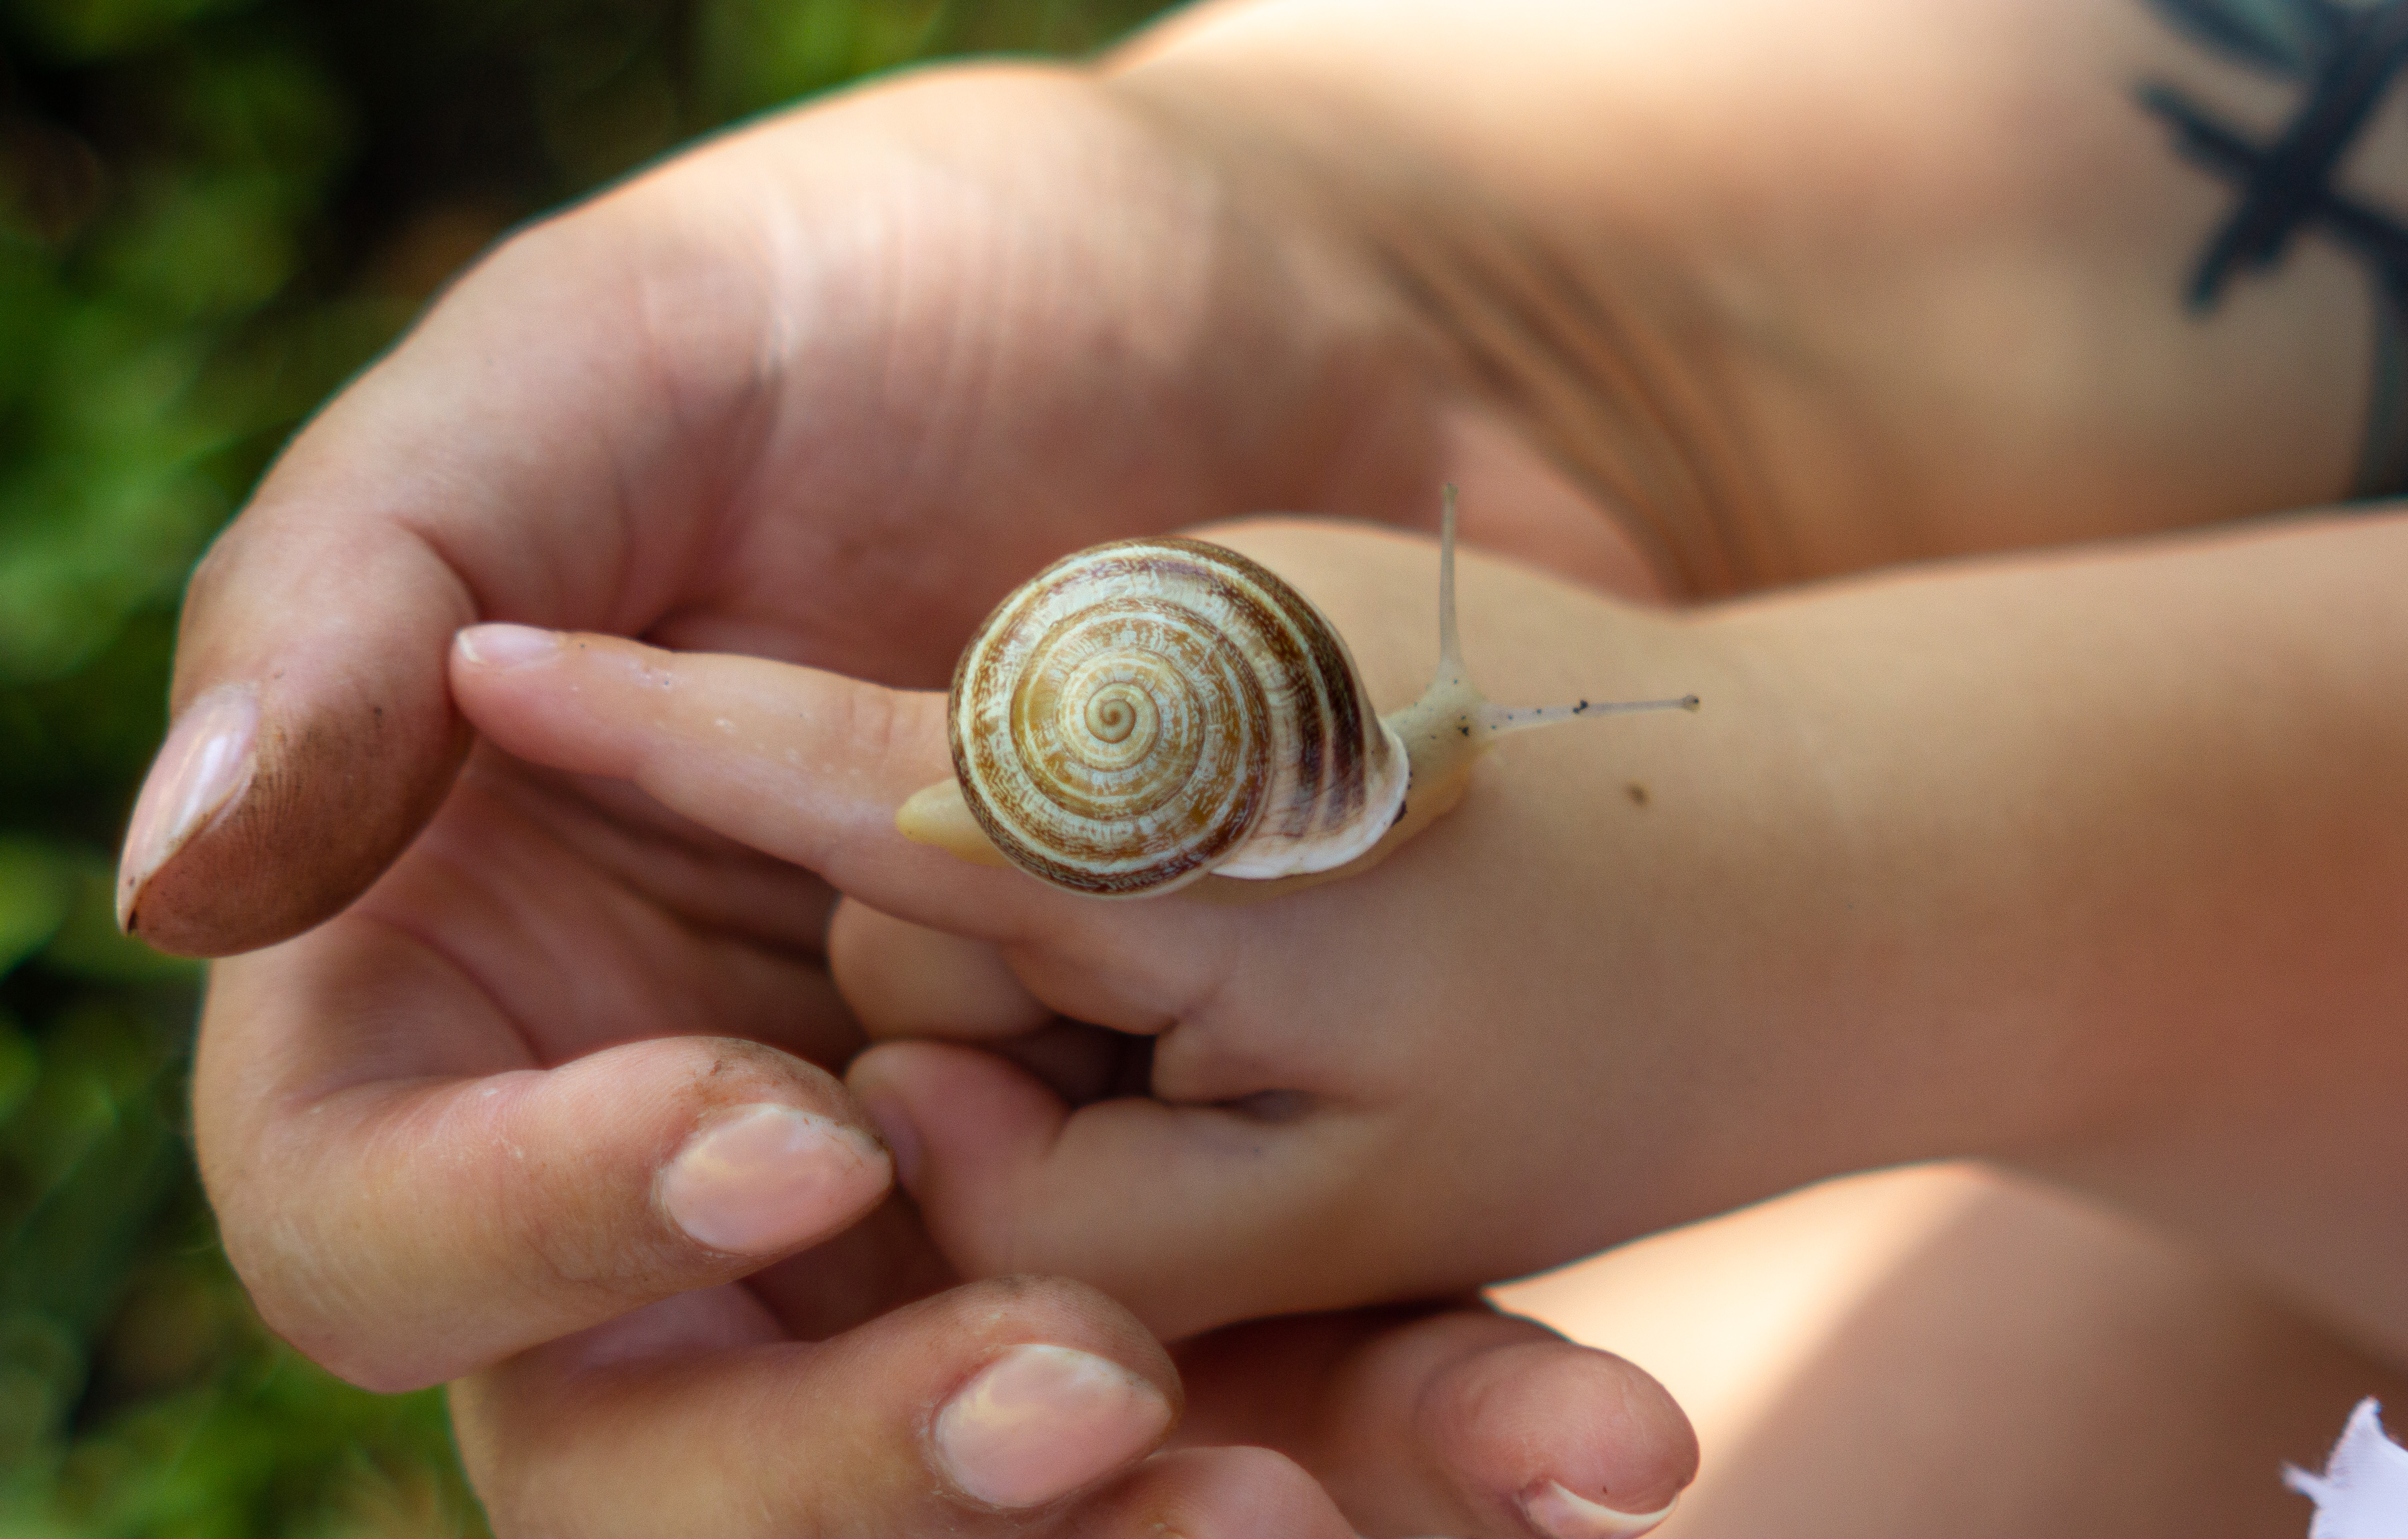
(1148, 710)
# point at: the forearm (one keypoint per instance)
(2100, 876)
(1801, 290)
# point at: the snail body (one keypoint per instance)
(1147, 712)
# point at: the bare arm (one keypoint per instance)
(2107, 883)
(1795, 290)
(2083, 863)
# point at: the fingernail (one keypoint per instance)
(893, 1125)
(763, 1179)
(507, 646)
(205, 763)
(1560, 1514)
(1041, 1421)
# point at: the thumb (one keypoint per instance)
(310, 740)
(313, 729)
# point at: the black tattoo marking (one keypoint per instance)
(2348, 54)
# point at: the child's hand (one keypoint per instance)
(1371, 1088)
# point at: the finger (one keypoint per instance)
(905, 980)
(1461, 1421)
(957, 1415)
(810, 766)
(408, 1196)
(908, 981)
(805, 765)
(313, 734)
(1192, 1216)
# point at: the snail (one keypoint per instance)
(1147, 712)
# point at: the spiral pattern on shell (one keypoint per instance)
(1148, 710)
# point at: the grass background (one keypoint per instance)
(212, 213)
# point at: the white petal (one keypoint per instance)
(2363, 1493)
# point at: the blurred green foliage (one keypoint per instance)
(211, 213)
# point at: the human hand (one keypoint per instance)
(1959, 863)
(484, 1203)
(443, 1129)
(1387, 1085)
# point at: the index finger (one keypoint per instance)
(811, 767)
(802, 764)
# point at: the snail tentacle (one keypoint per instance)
(1453, 723)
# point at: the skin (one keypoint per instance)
(1859, 288)
(1557, 980)
(1947, 1350)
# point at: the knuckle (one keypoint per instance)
(307, 1312)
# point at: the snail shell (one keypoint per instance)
(1148, 710)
